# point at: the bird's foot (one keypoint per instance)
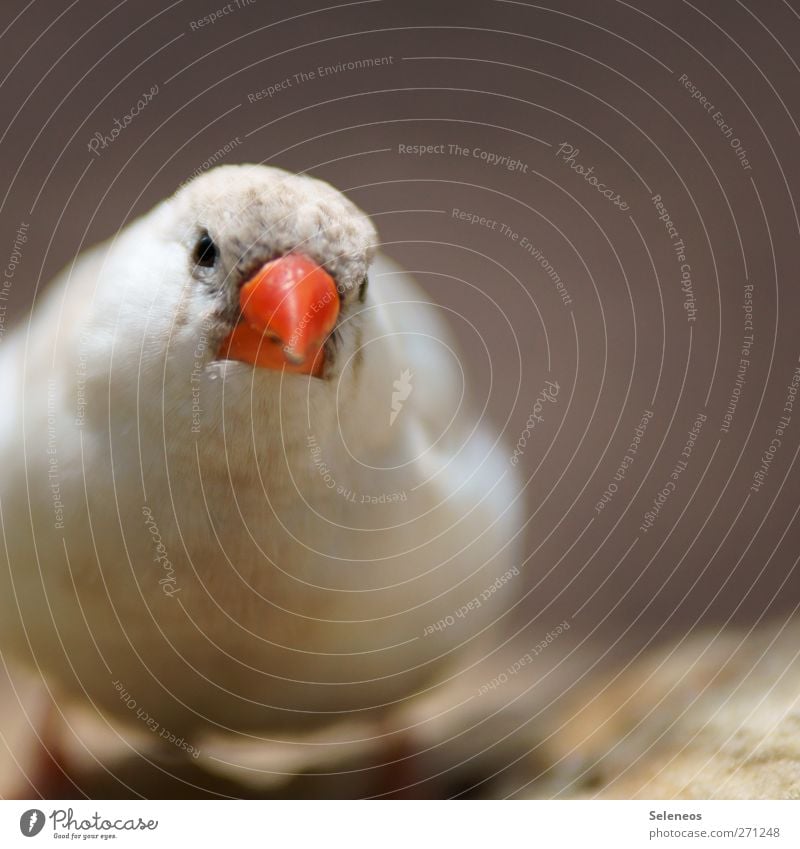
(45, 770)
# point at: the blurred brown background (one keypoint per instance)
(517, 80)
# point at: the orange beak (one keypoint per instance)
(289, 308)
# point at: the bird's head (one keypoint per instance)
(260, 267)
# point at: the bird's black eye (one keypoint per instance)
(205, 251)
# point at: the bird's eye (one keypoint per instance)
(206, 252)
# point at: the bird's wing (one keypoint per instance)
(426, 359)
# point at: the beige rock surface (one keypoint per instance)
(716, 716)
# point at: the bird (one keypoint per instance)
(244, 490)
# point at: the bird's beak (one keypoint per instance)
(289, 307)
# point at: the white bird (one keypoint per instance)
(242, 490)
